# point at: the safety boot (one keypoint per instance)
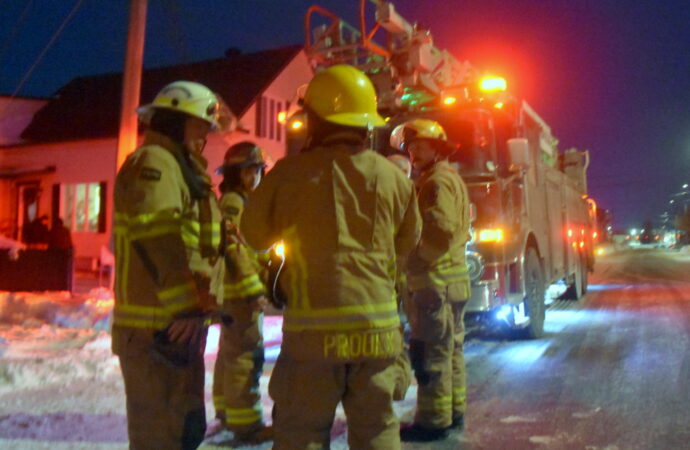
(255, 436)
(215, 427)
(418, 433)
(458, 423)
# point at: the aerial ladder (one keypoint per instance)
(531, 223)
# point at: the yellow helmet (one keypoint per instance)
(343, 95)
(245, 154)
(190, 98)
(417, 129)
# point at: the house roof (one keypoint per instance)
(89, 107)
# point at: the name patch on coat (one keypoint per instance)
(151, 174)
(362, 344)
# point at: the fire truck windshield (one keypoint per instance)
(471, 133)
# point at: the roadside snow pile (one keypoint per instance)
(32, 309)
(54, 337)
(35, 357)
(95, 312)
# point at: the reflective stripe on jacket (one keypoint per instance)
(160, 273)
(439, 258)
(242, 279)
(345, 217)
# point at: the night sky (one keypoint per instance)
(609, 76)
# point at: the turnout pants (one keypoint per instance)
(436, 353)
(165, 403)
(236, 393)
(306, 394)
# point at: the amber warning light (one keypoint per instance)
(492, 84)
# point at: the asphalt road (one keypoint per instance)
(613, 371)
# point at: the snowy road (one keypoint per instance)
(613, 372)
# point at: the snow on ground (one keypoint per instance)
(61, 387)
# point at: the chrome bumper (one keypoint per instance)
(482, 298)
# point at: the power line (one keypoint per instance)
(6, 45)
(174, 32)
(47, 47)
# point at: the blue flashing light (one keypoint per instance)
(503, 312)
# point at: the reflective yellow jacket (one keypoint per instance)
(243, 275)
(343, 215)
(160, 270)
(444, 204)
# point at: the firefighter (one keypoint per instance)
(167, 238)
(343, 213)
(438, 279)
(236, 394)
(401, 163)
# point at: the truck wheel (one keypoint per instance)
(574, 291)
(534, 299)
(578, 287)
(584, 280)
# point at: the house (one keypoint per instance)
(15, 115)
(64, 166)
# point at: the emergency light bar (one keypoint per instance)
(492, 84)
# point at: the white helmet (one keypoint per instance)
(190, 98)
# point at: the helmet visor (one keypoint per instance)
(401, 137)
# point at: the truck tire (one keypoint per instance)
(535, 290)
(584, 280)
(578, 288)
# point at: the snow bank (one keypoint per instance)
(35, 357)
(31, 309)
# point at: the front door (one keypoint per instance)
(28, 196)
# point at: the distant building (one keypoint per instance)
(63, 163)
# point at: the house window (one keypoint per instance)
(82, 207)
(266, 124)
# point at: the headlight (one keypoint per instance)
(475, 265)
(489, 235)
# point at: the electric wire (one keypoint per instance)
(275, 288)
(47, 47)
(15, 29)
(174, 32)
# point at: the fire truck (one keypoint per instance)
(532, 219)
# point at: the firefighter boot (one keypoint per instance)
(215, 427)
(418, 433)
(256, 436)
(458, 423)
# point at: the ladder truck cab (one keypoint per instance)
(532, 220)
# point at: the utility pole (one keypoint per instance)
(131, 80)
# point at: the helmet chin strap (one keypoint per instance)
(369, 140)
